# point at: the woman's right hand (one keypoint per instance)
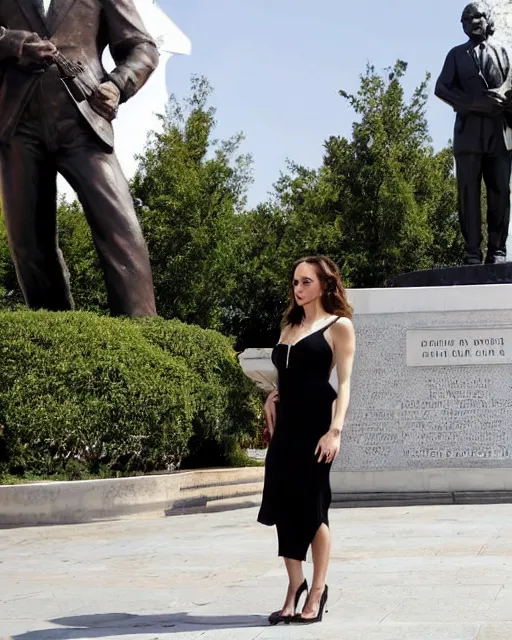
(270, 412)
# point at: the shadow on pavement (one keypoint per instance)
(120, 624)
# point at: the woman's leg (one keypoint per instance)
(321, 550)
(293, 559)
(295, 579)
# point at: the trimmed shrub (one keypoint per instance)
(114, 395)
(227, 404)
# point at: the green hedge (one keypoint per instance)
(118, 396)
(227, 405)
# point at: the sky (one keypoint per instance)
(276, 67)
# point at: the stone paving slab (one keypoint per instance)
(404, 573)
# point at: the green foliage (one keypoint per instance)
(227, 405)
(85, 272)
(395, 199)
(191, 190)
(80, 393)
(253, 309)
(81, 259)
(10, 294)
(382, 203)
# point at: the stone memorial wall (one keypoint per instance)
(425, 396)
(431, 402)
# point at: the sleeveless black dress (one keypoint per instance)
(297, 491)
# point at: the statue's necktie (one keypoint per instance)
(488, 67)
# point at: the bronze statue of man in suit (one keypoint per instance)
(57, 103)
(476, 81)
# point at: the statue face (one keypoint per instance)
(474, 21)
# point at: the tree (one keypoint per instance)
(381, 203)
(253, 308)
(272, 237)
(76, 243)
(192, 192)
(395, 198)
(75, 239)
(10, 294)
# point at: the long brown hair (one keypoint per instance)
(334, 297)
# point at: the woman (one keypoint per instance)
(304, 418)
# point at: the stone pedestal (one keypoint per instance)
(431, 404)
(257, 365)
(456, 276)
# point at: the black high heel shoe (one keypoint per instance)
(276, 617)
(320, 614)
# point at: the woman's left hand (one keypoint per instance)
(328, 447)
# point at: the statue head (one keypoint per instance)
(478, 21)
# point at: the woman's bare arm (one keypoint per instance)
(344, 346)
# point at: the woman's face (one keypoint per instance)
(307, 286)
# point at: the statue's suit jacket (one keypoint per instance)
(81, 30)
(460, 84)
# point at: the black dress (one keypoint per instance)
(297, 492)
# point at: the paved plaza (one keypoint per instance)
(407, 573)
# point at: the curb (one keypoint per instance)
(186, 492)
(50, 503)
(418, 499)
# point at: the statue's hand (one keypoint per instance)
(497, 97)
(105, 100)
(490, 104)
(35, 49)
(508, 100)
(498, 102)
